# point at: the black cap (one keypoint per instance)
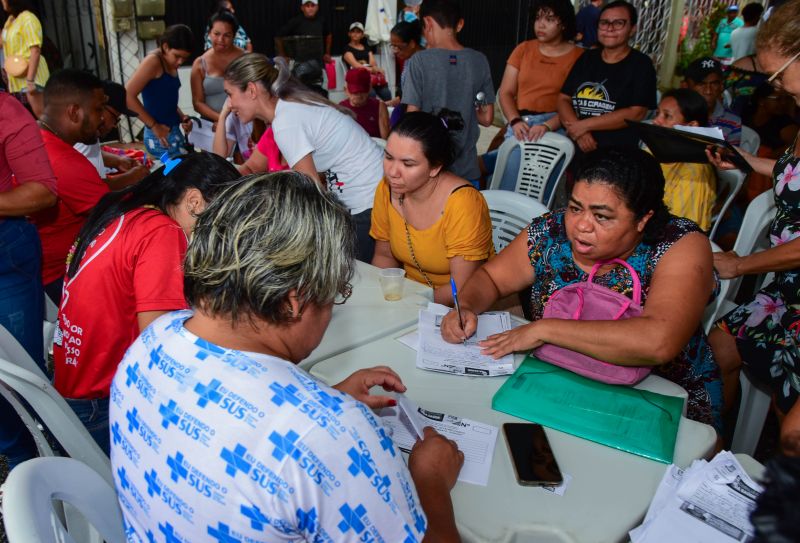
(701, 68)
(118, 98)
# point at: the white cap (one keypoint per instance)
(412, 2)
(309, 2)
(358, 26)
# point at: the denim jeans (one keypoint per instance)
(175, 139)
(509, 179)
(22, 313)
(94, 415)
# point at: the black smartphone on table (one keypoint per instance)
(533, 459)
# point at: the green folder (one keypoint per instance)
(629, 419)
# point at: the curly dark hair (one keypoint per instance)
(636, 177)
(562, 10)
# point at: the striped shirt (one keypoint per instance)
(20, 33)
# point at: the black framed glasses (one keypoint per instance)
(344, 294)
(615, 24)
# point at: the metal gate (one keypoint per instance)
(75, 29)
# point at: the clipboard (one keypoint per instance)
(672, 145)
(636, 421)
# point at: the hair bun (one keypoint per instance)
(452, 120)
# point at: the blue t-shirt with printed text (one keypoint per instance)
(213, 444)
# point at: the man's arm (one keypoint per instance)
(25, 199)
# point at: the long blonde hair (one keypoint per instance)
(277, 80)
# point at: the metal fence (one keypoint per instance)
(72, 28)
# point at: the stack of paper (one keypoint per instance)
(709, 502)
(435, 354)
(475, 439)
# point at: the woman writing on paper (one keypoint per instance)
(129, 254)
(615, 210)
(426, 219)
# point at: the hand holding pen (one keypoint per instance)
(458, 310)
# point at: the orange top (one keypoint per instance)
(540, 77)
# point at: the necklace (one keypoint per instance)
(400, 200)
(50, 129)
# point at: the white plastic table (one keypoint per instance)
(610, 489)
(367, 316)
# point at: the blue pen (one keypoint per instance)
(458, 307)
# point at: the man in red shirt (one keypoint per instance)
(73, 113)
(27, 185)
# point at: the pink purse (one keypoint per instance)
(588, 301)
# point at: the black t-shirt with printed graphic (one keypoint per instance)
(597, 88)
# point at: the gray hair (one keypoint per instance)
(263, 237)
(277, 79)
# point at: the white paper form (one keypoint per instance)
(435, 354)
(475, 439)
(708, 502)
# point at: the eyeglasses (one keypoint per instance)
(345, 293)
(776, 79)
(616, 24)
(395, 47)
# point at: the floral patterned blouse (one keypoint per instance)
(550, 254)
(766, 328)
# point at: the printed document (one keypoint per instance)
(709, 502)
(435, 354)
(475, 439)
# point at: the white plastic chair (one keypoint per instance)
(753, 237)
(511, 213)
(49, 407)
(49, 324)
(755, 399)
(751, 141)
(34, 491)
(730, 182)
(538, 159)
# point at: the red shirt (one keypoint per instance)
(134, 265)
(22, 153)
(79, 189)
(367, 115)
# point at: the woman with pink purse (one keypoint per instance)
(615, 211)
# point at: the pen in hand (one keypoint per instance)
(458, 308)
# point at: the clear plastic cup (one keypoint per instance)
(391, 280)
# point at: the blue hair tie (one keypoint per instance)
(169, 163)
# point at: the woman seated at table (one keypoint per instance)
(616, 210)
(282, 455)
(691, 188)
(430, 221)
(123, 272)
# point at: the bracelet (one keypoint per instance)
(547, 127)
(515, 120)
(30, 81)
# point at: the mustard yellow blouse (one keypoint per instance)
(464, 229)
(690, 191)
(20, 33)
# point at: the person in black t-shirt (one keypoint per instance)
(309, 23)
(607, 86)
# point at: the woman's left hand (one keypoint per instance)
(727, 264)
(521, 338)
(360, 382)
